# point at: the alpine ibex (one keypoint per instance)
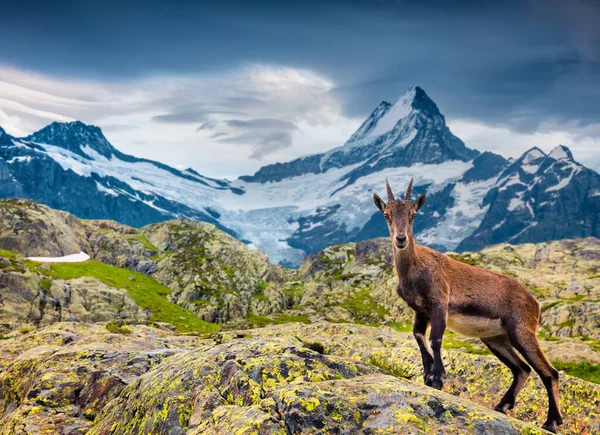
(469, 300)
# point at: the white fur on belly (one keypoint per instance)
(475, 326)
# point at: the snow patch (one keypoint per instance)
(106, 190)
(73, 258)
(515, 203)
(510, 181)
(21, 159)
(533, 224)
(558, 153)
(498, 225)
(530, 169)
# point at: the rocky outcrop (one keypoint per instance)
(211, 273)
(353, 282)
(27, 297)
(34, 229)
(56, 380)
(291, 379)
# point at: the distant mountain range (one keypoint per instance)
(290, 209)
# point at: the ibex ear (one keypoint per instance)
(379, 202)
(420, 201)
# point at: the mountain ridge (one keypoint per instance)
(293, 208)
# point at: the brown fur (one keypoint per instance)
(444, 292)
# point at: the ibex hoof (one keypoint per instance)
(550, 426)
(437, 384)
(503, 407)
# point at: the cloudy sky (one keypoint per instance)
(226, 87)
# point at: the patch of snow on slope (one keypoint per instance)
(558, 153)
(533, 224)
(498, 225)
(462, 218)
(530, 208)
(106, 190)
(530, 169)
(510, 181)
(25, 159)
(566, 180)
(515, 203)
(73, 258)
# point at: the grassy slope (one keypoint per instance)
(144, 290)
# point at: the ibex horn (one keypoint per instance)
(389, 191)
(409, 191)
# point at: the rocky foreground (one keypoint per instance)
(74, 378)
(179, 328)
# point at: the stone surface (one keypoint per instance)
(72, 378)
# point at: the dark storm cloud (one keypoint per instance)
(513, 64)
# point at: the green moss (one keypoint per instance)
(26, 330)
(361, 304)
(261, 321)
(229, 270)
(583, 370)
(140, 238)
(115, 328)
(401, 327)
(295, 290)
(148, 293)
(15, 261)
(550, 305)
(4, 337)
(452, 341)
(260, 297)
(285, 318)
(466, 258)
(12, 256)
(568, 323)
(261, 285)
(200, 303)
(46, 284)
(538, 291)
(545, 336)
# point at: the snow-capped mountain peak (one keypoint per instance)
(531, 155)
(386, 117)
(393, 115)
(561, 152)
(77, 137)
